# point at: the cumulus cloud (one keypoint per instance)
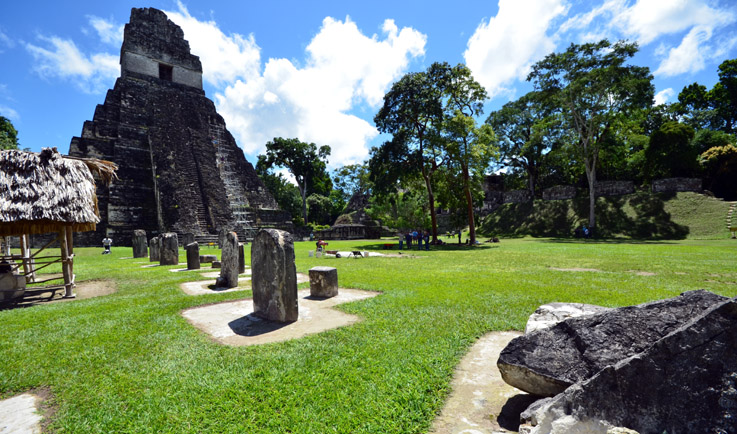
(664, 95)
(225, 58)
(9, 113)
(501, 50)
(108, 31)
(60, 58)
(647, 21)
(344, 69)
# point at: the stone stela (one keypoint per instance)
(274, 276)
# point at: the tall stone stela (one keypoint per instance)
(274, 276)
(180, 170)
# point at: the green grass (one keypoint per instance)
(637, 216)
(129, 363)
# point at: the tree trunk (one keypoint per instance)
(303, 193)
(431, 199)
(591, 177)
(469, 206)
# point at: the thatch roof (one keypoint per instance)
(43, 192)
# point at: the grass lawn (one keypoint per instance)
(128, 362)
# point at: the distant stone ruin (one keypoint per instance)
(180, 169)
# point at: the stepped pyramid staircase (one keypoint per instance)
(731, 224)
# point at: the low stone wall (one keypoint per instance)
(677, 184)
(614, 188)
(517, 196)
(559, 192)
(349, 232)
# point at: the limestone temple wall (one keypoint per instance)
(614, 188)
(559, 192)
(180, 169)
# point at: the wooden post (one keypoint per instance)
(65, 264)
(70, 251)
(25, 251)
(6, 246)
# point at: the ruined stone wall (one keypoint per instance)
(614, 188)
(677, 184)
(559, 192)
(517, 196)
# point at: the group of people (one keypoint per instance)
(416, 237)
(583, 231)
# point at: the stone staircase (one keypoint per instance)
(730, 214)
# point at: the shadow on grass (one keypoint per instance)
(639, 215)
(444, 247)
(603, 241)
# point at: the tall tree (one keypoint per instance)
(412, 113)
(526, 131)
(469, 145)
(715, 109)
(593, 87)
(304, 161)
(8, 134)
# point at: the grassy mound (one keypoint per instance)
(639, 215)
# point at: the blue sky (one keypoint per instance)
(318, 70)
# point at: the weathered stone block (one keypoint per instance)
(274, 278)
(547, 361)
(241, 259)
(216, 264)
(614, 188)
(140, 247)
(684, 382)
(323, 281)
(193, 256)
(169, 249)
(154, 251)
(206, 259)
(229, 262)
(222, 235)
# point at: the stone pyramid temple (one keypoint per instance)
(180, 169)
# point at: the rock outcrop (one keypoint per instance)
(180, 169)
(685, 382)
(548, 361)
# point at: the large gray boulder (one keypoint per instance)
(228, 262)
(547, 361)
(169, 249)
(550, 314)
(274, 276)
(685, 382)
(140, 247)
(154, 251)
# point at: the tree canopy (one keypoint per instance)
(8, 134)
(304, 161)
(592, 87)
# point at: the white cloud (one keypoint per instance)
(502, 50)
(648, 19)
(687, 57)
(344, 69)
(5, 41)
(664, 95)
(9, 113)
(62, 59)
(109, 32)
(225, 58)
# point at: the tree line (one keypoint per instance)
(590, 116)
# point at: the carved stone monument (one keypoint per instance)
(140, 248)
(193, 256)
(154, 251)
(169, 249)
(274, 278)
(228, 262)
(323, 281)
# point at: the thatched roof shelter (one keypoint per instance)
(45, 192)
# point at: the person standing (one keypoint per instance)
(401, 240)
(106, 243)
(408, 238)
(427, 240)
